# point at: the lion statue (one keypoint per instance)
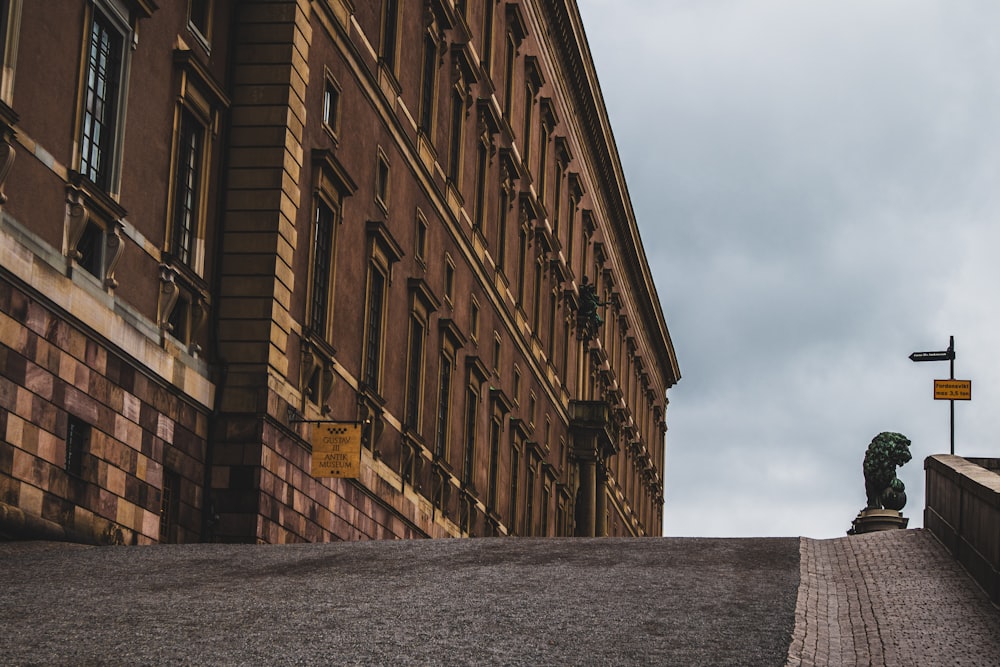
(886, 452)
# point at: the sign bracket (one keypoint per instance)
(949, 356)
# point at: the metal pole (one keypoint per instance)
(951, 349)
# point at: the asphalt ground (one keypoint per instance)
(654, 601)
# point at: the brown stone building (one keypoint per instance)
(224, 222)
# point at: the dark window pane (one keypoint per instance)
(323, 244)
(102, 82)
(373, 326)
(186, 187)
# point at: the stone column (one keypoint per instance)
(587, 498)
(601, 502)
(589, 427)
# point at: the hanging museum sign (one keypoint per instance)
(336, 449)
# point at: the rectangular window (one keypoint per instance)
(373, 327)
(187, 190)
(200, 16)
(321, 269)
(546, 499)
(502, 231)
(553, 316)
(390, 23)
(488, 17)
(414, 374)
(457, 136)
(495, 429)
(170, 502)
(497, 349)
(536, 306)
(469, 454)
(529, 502)
(449, 280)
(444, 406)
(482, 169)
(571, 232)
(566, 342)
(428, 86)
(331, 106)
(529, 99)
(543, 167)
(515, 472)
(522, 264)
(557, 203)
(101, 99)
(488, 9)
(77, 442)
(420, 249)
(510, 56)
(382, 181)
(474, 320)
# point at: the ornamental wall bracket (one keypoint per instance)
(113, 253)
(169, 293)
(8, 119)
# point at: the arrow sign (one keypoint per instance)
(944, 355)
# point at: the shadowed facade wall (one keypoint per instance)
(226, 221)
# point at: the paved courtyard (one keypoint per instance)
(668, 601)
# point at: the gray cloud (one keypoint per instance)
(816, 185)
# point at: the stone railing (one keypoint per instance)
(963, 511)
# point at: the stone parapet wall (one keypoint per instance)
(963, 511)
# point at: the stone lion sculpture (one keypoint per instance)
(886, 452)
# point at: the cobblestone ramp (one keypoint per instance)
(452, 602)
(891, 598)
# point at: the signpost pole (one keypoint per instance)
(950, 389)
(951, 354)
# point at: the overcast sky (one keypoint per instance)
(817, 184)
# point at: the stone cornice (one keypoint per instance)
(574, 52)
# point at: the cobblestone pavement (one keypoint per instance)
(891, 598)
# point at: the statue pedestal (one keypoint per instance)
(873, 520)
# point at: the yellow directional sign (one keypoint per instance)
(336, 450)
(953, 390)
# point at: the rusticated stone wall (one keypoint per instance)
(52, 370)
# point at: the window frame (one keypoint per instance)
(442, 417)
(322, 328)
(78, 438)
(383, 253)
(470, 433)
(330, 105)
(428, 98)
(11, 33)
(383, 180)
(376, 293)
(415, 351)
(108, 173)
(202, 34)
(423, 303)
(388, 49)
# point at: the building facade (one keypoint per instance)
(224, 223)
